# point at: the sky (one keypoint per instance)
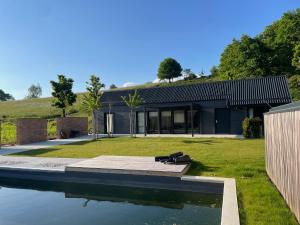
(119, 40)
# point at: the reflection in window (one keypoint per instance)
(166, 122)
(196, 121)
(153, 122)
(141, 123)
(179, 122)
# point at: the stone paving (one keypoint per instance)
(36, 163)
(133, 165)
(46, 144)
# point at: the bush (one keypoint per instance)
(246, 128)
(252, 127)
(72, 111)
(255, 125)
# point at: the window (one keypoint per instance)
(196, 121)
(166, 122)
(153, 122)
(141, 122)
(179, 122)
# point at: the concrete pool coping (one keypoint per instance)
(230, 209)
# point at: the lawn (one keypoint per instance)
(259, 201)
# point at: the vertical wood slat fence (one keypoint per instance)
(282, 152)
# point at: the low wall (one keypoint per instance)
(68, 124)
(30, 130)
(282, 142)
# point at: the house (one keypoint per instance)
(202, 108)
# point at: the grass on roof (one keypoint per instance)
(259, 201)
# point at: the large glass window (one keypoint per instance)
(196, 121)
(141, 123)
(165, 122)
(153, 122)
(179, 122)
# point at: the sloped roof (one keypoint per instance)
(264, 90)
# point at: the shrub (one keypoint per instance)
(252, 127)
(73, 110)
(255, 125)
(246, 128)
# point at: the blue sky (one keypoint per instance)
(119, 40)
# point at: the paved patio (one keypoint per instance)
(36, 163)
(39, 145)
(133, 165)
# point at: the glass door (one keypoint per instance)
(179, 122)
(166, 122)
(195, 119)
(141, 122)
(153, 123)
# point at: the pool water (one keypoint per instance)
(49, 203)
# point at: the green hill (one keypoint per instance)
(40, 107)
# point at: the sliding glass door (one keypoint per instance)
(140, 122)
(166, 122)
(153, 122)
(179, 122)
(195, 119)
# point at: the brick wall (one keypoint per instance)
(67, 124)
(30, 130)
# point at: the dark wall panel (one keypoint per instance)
(207, 120)
(121, 123)
(237, 116)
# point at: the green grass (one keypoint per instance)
(35, 108)
(8, 133)
(259, 201)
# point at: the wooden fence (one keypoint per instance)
(282, 149)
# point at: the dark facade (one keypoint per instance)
(203, 108)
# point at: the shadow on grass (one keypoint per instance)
(83, 142)
(197, 168)
(206, 142)
(242, 212)
(36, 152)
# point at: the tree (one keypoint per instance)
(5, 96)
(91, 101)
(112, 86)
(244, 58)
(132, 101)
(168, 69)
(273, 52)
(282, 36)
(188, 74)
(62, 93)
(296, 57)
(214, 72)
(294, 84)
(34, 91)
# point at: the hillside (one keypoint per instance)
(40, 107)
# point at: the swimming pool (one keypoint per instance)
(43, 202)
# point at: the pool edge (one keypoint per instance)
(230, 209)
